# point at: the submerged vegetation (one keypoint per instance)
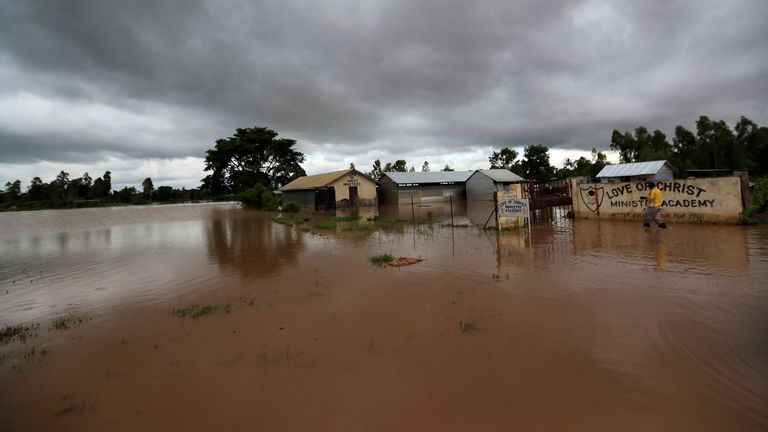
(467, 326)
(27, 333)
(196, 311)
(20, 332)
(68, 321)
(381, 259)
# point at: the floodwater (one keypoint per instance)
(575, 325)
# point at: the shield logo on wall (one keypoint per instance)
(592, 196)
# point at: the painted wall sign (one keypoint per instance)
(592, 196)
(694, 200)
(352, 180)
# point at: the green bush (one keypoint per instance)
(291, 207)
(759, 201)
(259, 197)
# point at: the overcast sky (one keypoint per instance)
(144, 88)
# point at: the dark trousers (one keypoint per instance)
(653, 214)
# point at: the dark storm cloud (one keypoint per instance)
(164, 79)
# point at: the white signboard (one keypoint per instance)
(513, 208)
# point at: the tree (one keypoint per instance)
(599, 161)
(13, 190)
(83, 186)
(102, 186)
(535, 164)
(754, 141)
(249, 157)
(684, 147)
(504, 158)
(60, 185)
(626, 145)
(164, 193)
(377, 171)
(107, 183)
(583, 167)
(37, 190)
(147, 187)
(718, 147)
(399, 166)
(425, 167)
(447, 168)
(126, 195)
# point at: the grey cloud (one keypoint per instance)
(347, 77)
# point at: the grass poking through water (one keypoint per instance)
(67, 321)
(381, 260)
(20, 332)
(196, 311)
(467, 326)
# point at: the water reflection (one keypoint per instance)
(658, 330)
(437, 211)
(251, 244)
(682, 247)
(481, 213)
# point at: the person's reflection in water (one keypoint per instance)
(656, 244)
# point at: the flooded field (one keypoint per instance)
(210, 317)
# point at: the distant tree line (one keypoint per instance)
(399, 165)
(714, 146)
(534, 165)
(64, 192)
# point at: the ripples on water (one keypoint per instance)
(683, 307)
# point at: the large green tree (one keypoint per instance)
(535, 164)
(505, 158)
(250, 157)
(642, 146)
(718, 146)
(754, 140)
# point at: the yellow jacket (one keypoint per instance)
(654, 198)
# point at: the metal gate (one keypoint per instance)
(549, 200)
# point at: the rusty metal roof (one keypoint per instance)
(632, 169)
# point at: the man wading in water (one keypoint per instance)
(653, 207)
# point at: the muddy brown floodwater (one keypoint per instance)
(580, 325)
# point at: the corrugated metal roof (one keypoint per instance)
(429, 177)
(632, 169)
(313, 181)
(501, 175)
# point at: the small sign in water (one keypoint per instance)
(513, 208)
(511, 211)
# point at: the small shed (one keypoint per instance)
(481, 185)
(402, 187)
(325, 191)
(636, 171)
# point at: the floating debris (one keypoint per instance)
(403, 261)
